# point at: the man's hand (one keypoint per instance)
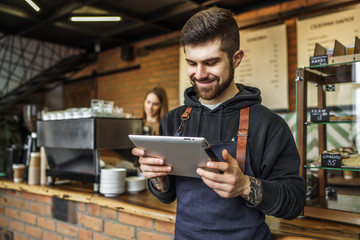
(231, 183)
(153, 168)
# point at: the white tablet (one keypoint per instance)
(184, 154)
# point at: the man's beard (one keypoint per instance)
(214, 91)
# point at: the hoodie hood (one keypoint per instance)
(247, 96)
(222, 114)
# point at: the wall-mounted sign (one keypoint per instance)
(265, 64)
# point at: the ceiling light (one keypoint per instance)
(96, 19)
(33, 5)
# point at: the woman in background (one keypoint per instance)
(155, 107)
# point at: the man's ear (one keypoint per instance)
(238, 56)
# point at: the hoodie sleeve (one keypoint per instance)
(165, 197)
(278, 169)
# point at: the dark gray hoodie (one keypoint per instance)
(271, 148)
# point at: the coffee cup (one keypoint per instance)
(34, 169)
(18, 172)
(34, 159)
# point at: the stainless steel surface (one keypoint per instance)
(31, 113)
(112, 133)
(88, 133)
(72, 145)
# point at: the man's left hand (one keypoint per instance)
(229, 184)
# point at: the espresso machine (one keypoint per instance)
(72, 145)
(31, 113)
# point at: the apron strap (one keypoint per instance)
(242, 134)
(185, 116)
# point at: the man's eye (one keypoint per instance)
(212, 63)
(192, 64)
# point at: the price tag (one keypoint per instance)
(318, 60)
(319, 115)
(331, 160)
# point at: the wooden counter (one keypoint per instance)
(142, 204)
(146, 205)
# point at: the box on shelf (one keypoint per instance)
(338, 54)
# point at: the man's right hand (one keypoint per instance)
(153, 168)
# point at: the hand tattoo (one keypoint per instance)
(160, 184)
(255, 194)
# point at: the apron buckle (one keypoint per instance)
(242, 132)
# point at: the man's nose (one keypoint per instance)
(200, 72)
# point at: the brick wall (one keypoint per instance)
(158, 68)
(25, 216)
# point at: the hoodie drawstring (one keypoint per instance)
(220, 117)
(198, 126)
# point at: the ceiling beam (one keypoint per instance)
(46, 79)
(77, 29)
(153, 19)
(138, 22)
(173, 10)
(18, 12)
(63, 11)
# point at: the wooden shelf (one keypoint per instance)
(339, 180)
(333, 215)
(324, 208)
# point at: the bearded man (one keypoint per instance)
(256, 177)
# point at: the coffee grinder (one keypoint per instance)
(31, 113)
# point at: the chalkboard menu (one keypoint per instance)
(319, 115)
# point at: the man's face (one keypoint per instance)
(209, 69)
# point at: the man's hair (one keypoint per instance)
(211, 24)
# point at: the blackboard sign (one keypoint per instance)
(331, 160)
(318, 60)
(319, 115)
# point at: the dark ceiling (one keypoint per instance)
(141, 19)
(30, 65)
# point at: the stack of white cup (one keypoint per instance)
(135, 184)
(34, 169)
(112, 181)
(43, 166)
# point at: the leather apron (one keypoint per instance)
(203, 214)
